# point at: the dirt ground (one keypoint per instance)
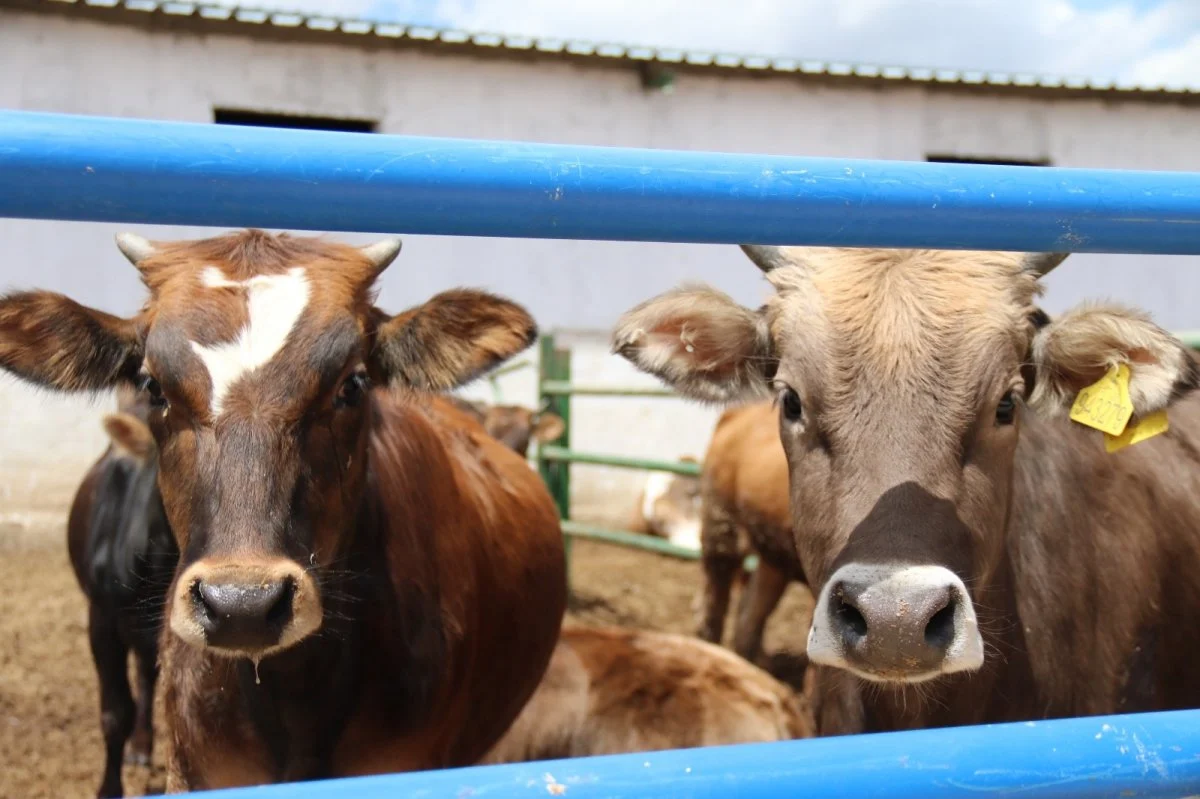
(49, 719)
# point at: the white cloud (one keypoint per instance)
(1171, 67)
(1143, 40)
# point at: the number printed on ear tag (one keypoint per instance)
(1105, 404)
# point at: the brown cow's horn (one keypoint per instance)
(134, 247)
(1042, 263)
(766, 258)
(382, 253)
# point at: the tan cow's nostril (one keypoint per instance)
(939, 632)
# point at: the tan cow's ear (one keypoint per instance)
(700, 342)
(457, 336)
(1077, 349)
(548, 427)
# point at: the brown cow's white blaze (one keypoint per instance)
(274, 304)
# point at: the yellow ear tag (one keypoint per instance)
(1105, 404)
(1140, 430)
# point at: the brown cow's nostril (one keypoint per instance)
(280, 612)
(240, 616)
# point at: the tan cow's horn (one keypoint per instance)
(382, 253)
(766, 258)
(1042, 263)
(134, 247)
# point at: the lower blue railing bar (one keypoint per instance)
(133, 171)
(1142, 755)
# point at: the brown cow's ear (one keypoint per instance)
(454, 338)
(131, 436)
(700, 342)
(1077, 349)
(548, 427)
(56, 343)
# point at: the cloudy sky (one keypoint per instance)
(1141, 41)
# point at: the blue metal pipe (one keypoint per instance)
(1147, 755)
(131, 171)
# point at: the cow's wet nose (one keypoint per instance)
(915, 625)
(243, 616)
(896, 625)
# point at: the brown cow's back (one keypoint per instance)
(610, 691)
(497, 563)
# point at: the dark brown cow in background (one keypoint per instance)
(744, 511)
(611, 690)
(124, 557)
(977, 556)
(355, 560)
(513, 425)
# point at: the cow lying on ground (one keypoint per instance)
(513, 425)
(976, 554)
(669, 507)
(124, 557)
(354, 559)
(610, 691)
(744, 509)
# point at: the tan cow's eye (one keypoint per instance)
(1006, 409)
(789, 400)
(351, 393)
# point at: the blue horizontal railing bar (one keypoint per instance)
(134, 171)
(1146, 755)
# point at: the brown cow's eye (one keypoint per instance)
(1006, 409)
(790, 401)
(154, 390)
(352, 391)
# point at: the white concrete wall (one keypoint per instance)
(52, 63)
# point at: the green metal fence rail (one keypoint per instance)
(555, 390)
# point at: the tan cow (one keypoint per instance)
(744, 508)
(610, 690)
(356, 552)
(975, 553)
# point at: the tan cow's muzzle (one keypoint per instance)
(900, 623)
(245, 609)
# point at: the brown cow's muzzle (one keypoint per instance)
(245, 609)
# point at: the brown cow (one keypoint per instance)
(745, 511)
(356, 561)
(513, 425)
(974, 552)
(611, 690)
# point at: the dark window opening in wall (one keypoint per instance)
(260, 119)
(954, 159)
